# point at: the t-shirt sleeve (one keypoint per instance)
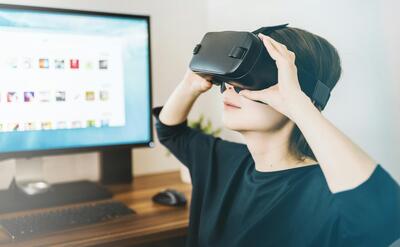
(187, 144)
(370, 213)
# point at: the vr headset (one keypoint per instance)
(241, 59)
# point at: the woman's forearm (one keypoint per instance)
(344, 164)
(178, 105)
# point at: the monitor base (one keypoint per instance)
(59, 194)
(33, 187)
(29, 177)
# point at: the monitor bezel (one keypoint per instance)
(72, 150)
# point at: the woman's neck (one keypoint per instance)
(271, 152)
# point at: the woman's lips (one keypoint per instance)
(230, 106)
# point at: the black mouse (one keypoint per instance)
(170, 197)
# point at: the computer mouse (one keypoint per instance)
(170, 197)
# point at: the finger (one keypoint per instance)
(272, 50)
(284, 53)
(273, 42)
(253, 94)
(279, 46)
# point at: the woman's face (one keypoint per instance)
(243, 114)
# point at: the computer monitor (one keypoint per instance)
(73, 81)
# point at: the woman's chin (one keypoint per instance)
(230, 124)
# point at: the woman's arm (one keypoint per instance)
(179, 103)
(344, 164)
(192, 147)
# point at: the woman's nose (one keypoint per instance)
(228, 86)
(225, 86)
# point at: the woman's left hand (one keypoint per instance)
(287, 91)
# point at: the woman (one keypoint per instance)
(297, 180)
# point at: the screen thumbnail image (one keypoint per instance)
(59, 64)
(44, 63)
(29, 96)
(12, 97)
(60, 96)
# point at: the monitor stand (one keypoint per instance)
(116, 166)
(29, 190)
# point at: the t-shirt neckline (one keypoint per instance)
(261, 174)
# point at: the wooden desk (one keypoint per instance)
(152, 223)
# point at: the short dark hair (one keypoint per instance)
(317, 56)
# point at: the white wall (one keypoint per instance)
(365, 103)
(175, 28)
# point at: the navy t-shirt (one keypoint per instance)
(233, 204)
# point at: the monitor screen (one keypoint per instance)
(73, 80)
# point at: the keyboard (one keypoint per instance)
(58, 219)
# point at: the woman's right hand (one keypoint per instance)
(195, 83)
(179, 103)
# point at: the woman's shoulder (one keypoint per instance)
(380, 184)
(229, 153)
(363, 213)
(370, 208)
(229, 144)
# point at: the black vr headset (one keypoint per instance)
(241, 59)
